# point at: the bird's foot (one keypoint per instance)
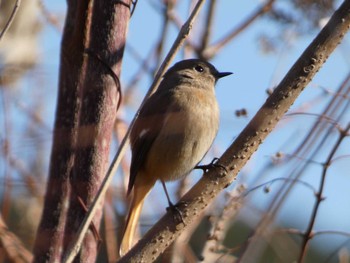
(177, 213)
(213, 164)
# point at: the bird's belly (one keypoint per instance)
(182, 143)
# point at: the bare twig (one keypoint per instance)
(12, 17)
(144, 68)
(11, 245)
(31, 183)
(313, 142)
(330, 110)
(75, 246)
(52, 19)
(163, 33)
(220, 224)
(320, 117)
(340, 157)
(269, 183)
(319, 195)
(6, 152)
(109, 229)
(210, 51)
(336, 250)
(207, 26)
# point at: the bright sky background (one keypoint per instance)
(254, 72)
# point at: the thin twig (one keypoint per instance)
(330, 110)
(307, 145)
(210, 51)
(134, 3)
(109, 229)
(207, 26)
(144, 68)
(320, 117)
(75, 246)
(12, 247)
(336, 250)
(12, 17)
(332, 232)
(111, 72)
(221, 223)
(340, 157)
(6, 151)
(319, 195)
(52, 19)
(163, 33)
(295, 231)
(266, 185)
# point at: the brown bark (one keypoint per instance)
(92, 45)
(48, 244)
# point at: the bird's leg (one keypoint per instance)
(213, 164)
(174, 208)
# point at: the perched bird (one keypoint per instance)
(174, 130)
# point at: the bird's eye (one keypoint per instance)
(199, 68)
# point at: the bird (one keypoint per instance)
(175, 128)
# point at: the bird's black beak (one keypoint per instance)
(220, 75)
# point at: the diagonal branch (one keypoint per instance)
(236, 156)
(10, 20)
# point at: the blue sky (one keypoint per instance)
(254, 72)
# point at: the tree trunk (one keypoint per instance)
(92, 47)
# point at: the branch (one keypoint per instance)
(319, 195)
(107, 24)
(48, 245)
(210, 51)
(12, 247)
(307, 150)
(12, 17)
(197, 199)
(208, 26)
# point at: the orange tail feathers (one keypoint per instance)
(139, 194)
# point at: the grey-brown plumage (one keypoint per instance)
(173, 132)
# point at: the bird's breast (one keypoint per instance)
(186, 135)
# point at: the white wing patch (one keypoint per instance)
(143, 133)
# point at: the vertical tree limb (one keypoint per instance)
(109, 24)
(49, 239)
(86, 108)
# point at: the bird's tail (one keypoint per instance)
(139, 194)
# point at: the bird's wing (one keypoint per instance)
(146, 129)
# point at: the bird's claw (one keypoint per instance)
(178, 217)
(213, 164)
